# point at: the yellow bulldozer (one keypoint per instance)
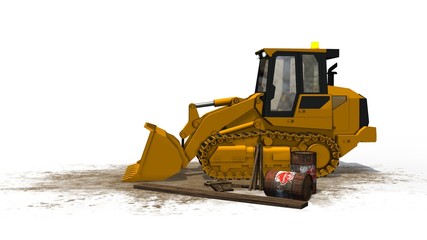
(295, 107)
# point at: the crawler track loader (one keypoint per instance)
(295, 107)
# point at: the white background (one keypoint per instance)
(78, 79)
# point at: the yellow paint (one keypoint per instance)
(241, 156)
(348, 142)
(189, 128)
(223, 101)
(237, 128)
(277, 157)
(323, 154)
(163, 157)
(232, 154)
(304, 123)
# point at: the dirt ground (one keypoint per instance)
(99, 188)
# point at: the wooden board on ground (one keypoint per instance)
(271, 201)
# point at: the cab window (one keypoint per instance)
(284, 81)
(261, 85)
(310, 74)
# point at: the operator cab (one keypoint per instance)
(284, 73)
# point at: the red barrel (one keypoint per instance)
(305, 162)
(294, 185)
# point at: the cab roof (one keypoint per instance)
(330, 53)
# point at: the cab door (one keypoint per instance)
(296, 93)
(282, 85)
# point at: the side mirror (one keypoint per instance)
(331, 74)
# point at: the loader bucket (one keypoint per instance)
(162, 158)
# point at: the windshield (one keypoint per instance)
(261, 84)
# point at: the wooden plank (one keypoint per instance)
(271, 201)
(253, 181)
(261, 170)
